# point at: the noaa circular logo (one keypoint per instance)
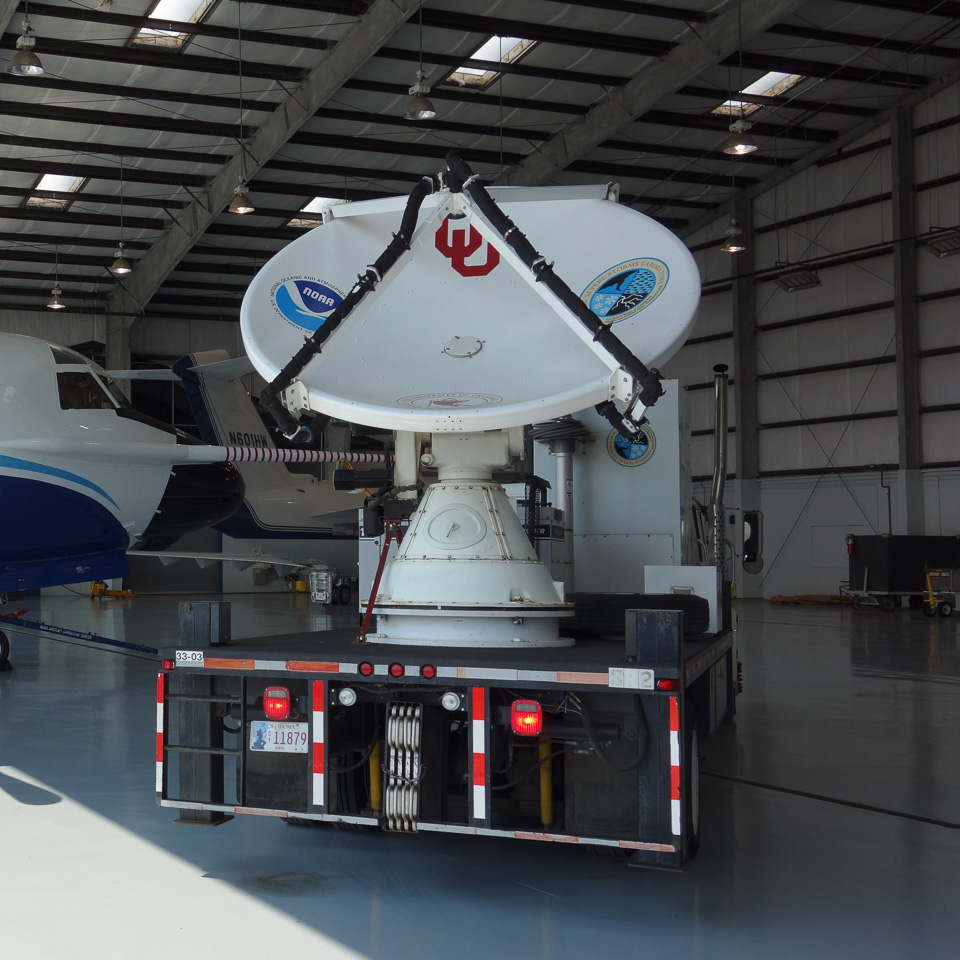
(631, 453)
(305, 302)
(450, 401)
(624, 290)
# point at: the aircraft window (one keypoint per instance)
(65, 355)
(82, 391)
(119, 398)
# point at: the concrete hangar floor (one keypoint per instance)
(830, 818)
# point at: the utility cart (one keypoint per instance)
(939, 597)
(885, 569)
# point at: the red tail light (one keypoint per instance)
(428, 671)
(365, 669)
(276, 703)
(526, 718)
(396, 669)
(168, 664)
(666, 684)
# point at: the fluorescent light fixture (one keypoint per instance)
(770, 85)
(943, 242)
(498, 49)
(318, 206)
(176, 11)
(797, 277)
(55, 183)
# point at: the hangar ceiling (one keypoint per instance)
(156, 121)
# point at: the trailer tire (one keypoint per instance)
(691, 786)
(888, 603)
(344, 594)
(929, 609)
(946, 609)
(858, 602)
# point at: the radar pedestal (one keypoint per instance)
(466, 573)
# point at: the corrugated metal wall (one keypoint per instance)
(826, 386)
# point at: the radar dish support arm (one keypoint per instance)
(366, 282)
(460, 178)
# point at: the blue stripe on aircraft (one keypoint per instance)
(14, 463)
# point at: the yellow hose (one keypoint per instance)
(376, 794)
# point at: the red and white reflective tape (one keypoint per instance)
(675, 821)
(424, 827)
(295, 455)
(319, 694)
(478, 716)
(161, 696)
(319, 759)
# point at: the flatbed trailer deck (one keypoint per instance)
(594, 743)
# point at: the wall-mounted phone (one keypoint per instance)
(752, 554)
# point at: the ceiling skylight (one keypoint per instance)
(318, 206)
(176, 11)
(771, 85)
(56, 183)
(498, 49)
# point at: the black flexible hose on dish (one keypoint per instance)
(366, 281)
(460, 178)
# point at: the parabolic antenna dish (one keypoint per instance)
(459, 336)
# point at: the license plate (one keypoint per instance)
(275, 736)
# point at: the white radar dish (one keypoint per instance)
(458, 335)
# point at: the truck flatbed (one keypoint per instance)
(316, 651)
(417, 738)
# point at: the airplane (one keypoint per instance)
(86, 478)
(295, 515)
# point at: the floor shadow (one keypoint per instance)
(26, 792)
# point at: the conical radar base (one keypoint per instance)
(466, 573)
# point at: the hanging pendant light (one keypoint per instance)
(420, 107)
(121, 266)
(733, 243)
(55, 303)
(25, 63)
(241, 202)
(739, 143)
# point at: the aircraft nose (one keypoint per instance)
(197, 495)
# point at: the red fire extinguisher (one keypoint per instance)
(851, 543)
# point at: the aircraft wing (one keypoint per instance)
(221, 370)
(241, 561)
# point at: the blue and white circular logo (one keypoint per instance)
(632, 453)
(624, 290)
(305, 302)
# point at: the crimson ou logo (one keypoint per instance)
(458, 241)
